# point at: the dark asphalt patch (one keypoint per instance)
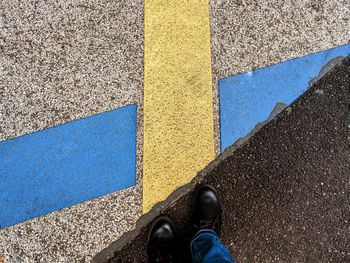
(284, 191)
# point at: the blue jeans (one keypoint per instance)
(207, 248)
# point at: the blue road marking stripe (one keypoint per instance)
(68, 164)
(247, 99)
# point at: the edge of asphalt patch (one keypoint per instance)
(159, 208)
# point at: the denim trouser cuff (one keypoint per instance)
(207, 248)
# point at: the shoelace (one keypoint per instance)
(209, 224)
(164, 259)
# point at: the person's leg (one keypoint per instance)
(205, 245)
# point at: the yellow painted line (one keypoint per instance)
(178, 102)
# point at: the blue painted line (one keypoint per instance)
(68, 164)
(249, 98)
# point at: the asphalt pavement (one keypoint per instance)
(284, 190)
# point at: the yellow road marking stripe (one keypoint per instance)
(178, 103)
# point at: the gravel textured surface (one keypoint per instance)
(62, 61)
(73, 234)
(66, 60)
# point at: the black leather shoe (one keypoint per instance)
(207, 209)
(161, 241)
